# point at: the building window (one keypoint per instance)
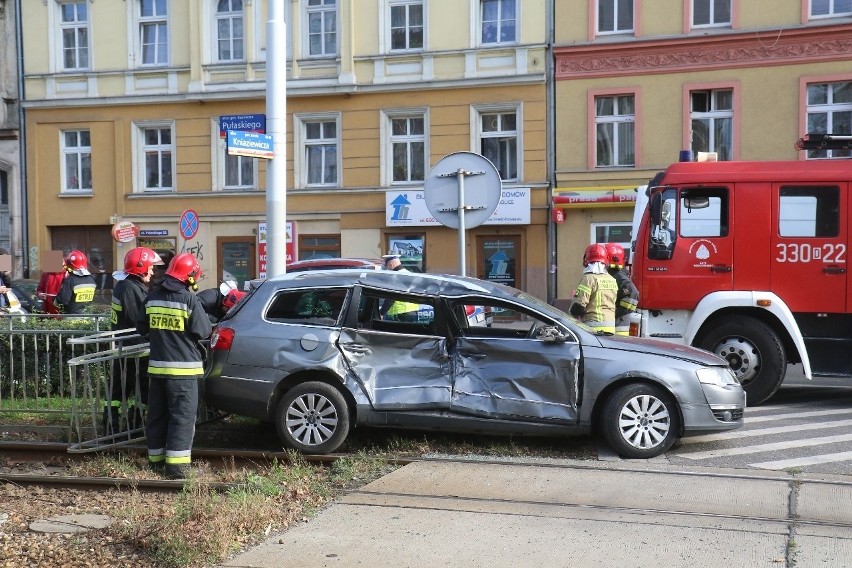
(319, 164)
(157, 157)
(154, 32)
(712, 119)
(615, 16)
(499, 21)
(830, 112)
(615, 130)
(830, 8)
(319, 246)
(77, 161)
(229, 30)
(613, 233)
(75, 35)
(406, 24)
(322, 27)
(498, 141)
(406, 142)
(711, 13)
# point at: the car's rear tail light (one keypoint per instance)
(222, 339)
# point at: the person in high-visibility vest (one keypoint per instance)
(627, 300)
(594, 298)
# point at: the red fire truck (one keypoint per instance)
(749, 260)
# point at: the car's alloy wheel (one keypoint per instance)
(313, 418)
(640, 421)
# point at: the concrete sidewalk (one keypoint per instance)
(573, 514)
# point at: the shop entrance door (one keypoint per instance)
(235, 259)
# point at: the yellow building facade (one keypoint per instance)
(124, 111)
(637, 83)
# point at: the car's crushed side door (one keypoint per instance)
(518, 366)
(395, 352)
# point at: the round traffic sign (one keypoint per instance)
(481, 190)
(188, 224)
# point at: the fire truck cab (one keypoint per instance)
(749, 260)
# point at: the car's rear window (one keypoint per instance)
(321, 307)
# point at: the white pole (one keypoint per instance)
(462, 229)
(276, 126)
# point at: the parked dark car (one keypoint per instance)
(313, 353)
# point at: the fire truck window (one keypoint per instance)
(663, 234)
(809, 212)
(704, 213)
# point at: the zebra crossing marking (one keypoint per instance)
(807, 460)
(738, 434)
(758, 448)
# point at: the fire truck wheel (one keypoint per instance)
(753, 350)
(640, 421)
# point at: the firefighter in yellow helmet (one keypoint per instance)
(594, 298)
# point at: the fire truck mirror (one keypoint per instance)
(655, 207)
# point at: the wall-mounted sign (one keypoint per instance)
(245, 122)
(577, 197)
(124, 231)
(188, 224)
(290, 245)
(153, 232)
(408, 208)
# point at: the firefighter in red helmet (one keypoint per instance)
(77, 291)
(627, 299)
(594, 298)
(128, 388)
(174, 322)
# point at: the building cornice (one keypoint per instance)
(704, 53)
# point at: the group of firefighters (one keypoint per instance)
(605, 296)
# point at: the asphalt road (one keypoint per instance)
(805, 427)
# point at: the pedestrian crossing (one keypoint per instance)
(779, 437)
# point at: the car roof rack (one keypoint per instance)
(824, 142)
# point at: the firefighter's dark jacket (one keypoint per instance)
(76, 293)
(174, 322)
(128, 298)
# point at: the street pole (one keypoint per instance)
(276, 126)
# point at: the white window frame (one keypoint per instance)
(713, 115)
(829, 108)
(593, 236)
(78, 27)
(833, 12)
(139, 23)
(711, 9)
(230, 18)
(407, 5)
(616, 119)
(616, 6)
(323, 8)
(140, 152)
(389, 139)
(478, 112)
(301, 145)
(219, 161)
(500, 22)
(79, 154)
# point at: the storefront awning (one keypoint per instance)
(577, 197)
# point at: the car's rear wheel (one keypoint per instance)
(640, 421)
(313, 418)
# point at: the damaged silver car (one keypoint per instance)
(319, 353)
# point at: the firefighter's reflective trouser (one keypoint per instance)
(170, 428)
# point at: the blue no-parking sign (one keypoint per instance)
(188, 224)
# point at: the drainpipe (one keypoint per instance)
(22, 142)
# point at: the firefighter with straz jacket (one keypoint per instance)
(627, 300)
(594, 298)
(78, 288)
(174, 322)
(128, 299)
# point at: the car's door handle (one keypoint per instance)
(720, 268)
(834, 270)
(472, 354)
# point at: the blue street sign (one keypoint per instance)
(188, 224)
(249, 144)
(244, 122)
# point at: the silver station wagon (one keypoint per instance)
(321, 352)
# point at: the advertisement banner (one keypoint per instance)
(407, 208)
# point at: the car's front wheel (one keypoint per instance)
(640, 421)
(313, 418)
